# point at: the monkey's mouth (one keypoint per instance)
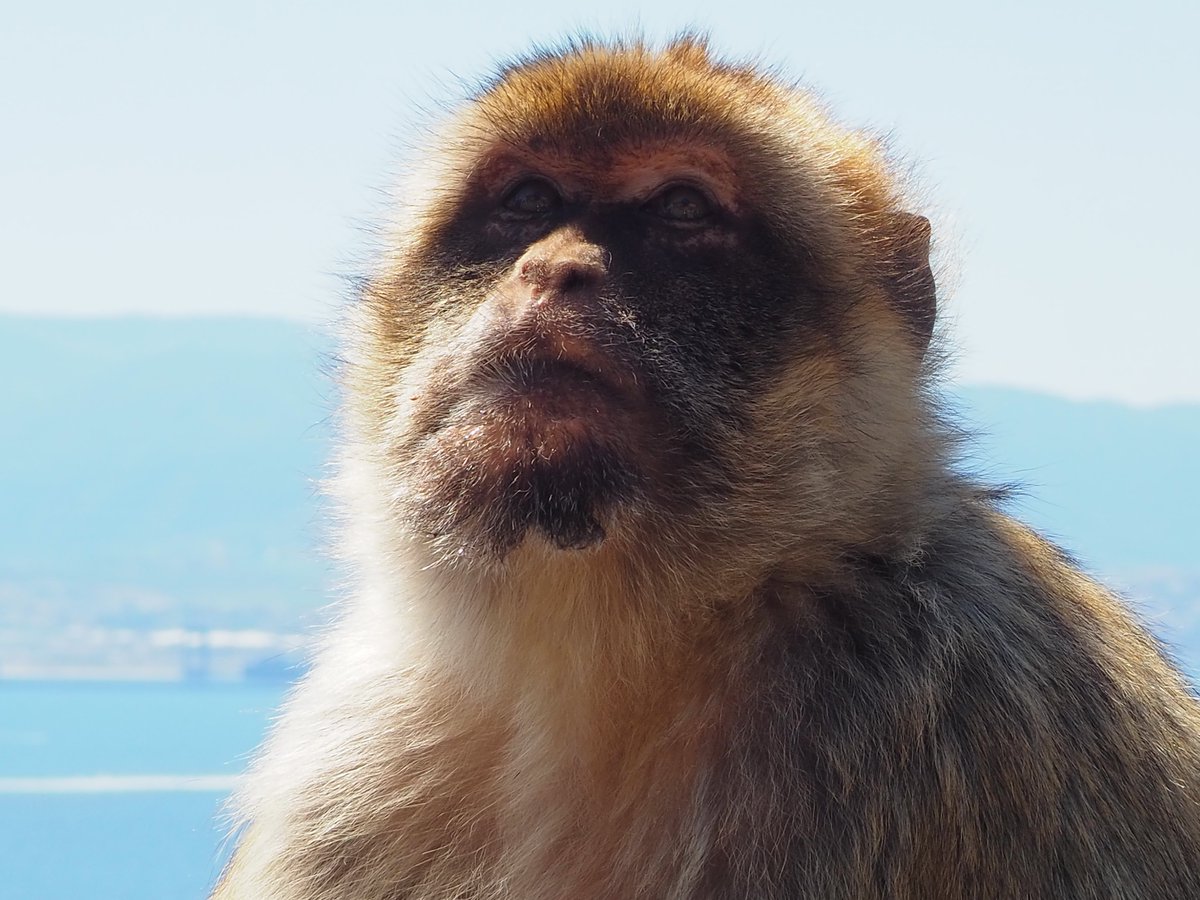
(557, 376)
(560, 386)
(541, 433)
(537, 445)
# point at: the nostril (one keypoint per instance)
(576, 275)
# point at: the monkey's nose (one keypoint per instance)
(556, 269)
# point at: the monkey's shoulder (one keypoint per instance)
(982, 692)
(977, 585)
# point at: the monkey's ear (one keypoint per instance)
(910, 278)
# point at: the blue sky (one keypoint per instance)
(227, 157)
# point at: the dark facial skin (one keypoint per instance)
(625, 313)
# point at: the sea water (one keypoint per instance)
(113, 791)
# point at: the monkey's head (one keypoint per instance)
(641, 296)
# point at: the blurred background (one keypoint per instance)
(185, 192)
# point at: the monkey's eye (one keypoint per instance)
(532, 198)
(681, 203)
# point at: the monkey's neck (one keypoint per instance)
(575, 644)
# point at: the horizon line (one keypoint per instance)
(120, 784)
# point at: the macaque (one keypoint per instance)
(664, 581)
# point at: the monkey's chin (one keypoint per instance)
(548, 464)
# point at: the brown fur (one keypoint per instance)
(728, 625)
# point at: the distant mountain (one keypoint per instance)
(181, 456)
(177, 455)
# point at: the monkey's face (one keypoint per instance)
(583, 330)
(610, 315)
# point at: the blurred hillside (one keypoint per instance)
(162, 518)
(180, 456)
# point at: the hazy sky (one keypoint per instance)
(226, 157)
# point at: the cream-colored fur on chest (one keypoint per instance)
(542, 728)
